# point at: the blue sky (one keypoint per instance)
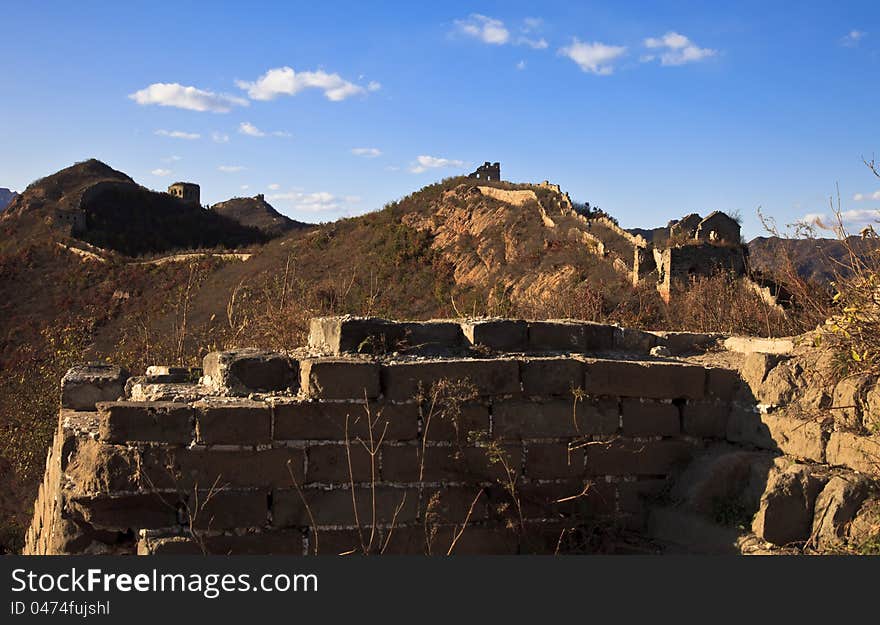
(650, 111)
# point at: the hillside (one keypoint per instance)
(256, 212)
(6, 196)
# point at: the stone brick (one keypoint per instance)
(334, 542)
(239, 423)
(705, 419)
(501, 335)
(577, 499)
(263, 543)
(127, 512)
(227, 509)
(185, 469)
(163, 422)
(169, 545)
(634, 341)
(567, 336)
(164, 374)
(85, 385)
(642, 379)
(401, 381)
(95, 468)
(404, 463)
(554, 460)
(722, 384)
(339, 335)
(335, 507)
(649, 418)
(860, 453)
(449, 426)
(551, 376)
(242, 371)
(628, 457)
(339, 378)
(311, 420)
(520, 419)
(681, 343)
(451, 504)
(330, 463)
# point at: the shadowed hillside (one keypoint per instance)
(256, 212)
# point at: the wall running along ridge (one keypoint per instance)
(496, 436)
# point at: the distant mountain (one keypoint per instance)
(256, 212)
(6, 196)
(813, 259)
(95, 203)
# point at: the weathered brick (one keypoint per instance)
(169, 545)
(649, 418)
(629, 457)
(339, 335)
(722, 384)
(95, 468)
(124, 512)
(503, 335)
(404, 463)
(402, 381)
(554, 460)
(706, 419)
(642, 379)
(242, 371)
(860, 453)
(330, 463)
(287, 542)
(568, 336)
(310, 420)
(239, 423)
(456, 427)
(350, 542)
(520, 419)
(227, 509)
(579, 499)
(452, 504)
(339, 378)
(551, 376)
(85, 385)
(185, 469)
(335, 507)
(634, 340)
(164, 422)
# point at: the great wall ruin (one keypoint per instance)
(475, 436)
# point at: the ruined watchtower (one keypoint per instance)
(487, 171)
(186, 191)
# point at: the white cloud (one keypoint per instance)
(287, 81)
(161, 172)
(189, 98)
(367, 152)
(424, 163)
(178, 134)
(593, 57)
(247, 128)
(861, 197)
(676, 49)
(521, 65)
(320, 201)
(535, 44)
(852, 219)
(531, 24)
(486, 29)
(230, 169)
(274, 186)
(852, 38)
(219, 137)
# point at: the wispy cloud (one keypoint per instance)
(493, 31)
(852, 219)
(219, 137)
(593, 57)
(367, 152)
(287, 81)
(316, 202)
(171, 159)
(521, 65)
(230, 169)
(183, 97)
(424, 163)
(178, 134)
(861, 197)
(247, 128)
(161, 172)
(486, 29)
(675, 49)
(852, 38)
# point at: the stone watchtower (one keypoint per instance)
(187, 191)
(487, 171)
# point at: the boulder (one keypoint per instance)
(785, 514)
(836, 506)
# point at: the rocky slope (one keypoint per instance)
(256, 212)
(6, 196)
